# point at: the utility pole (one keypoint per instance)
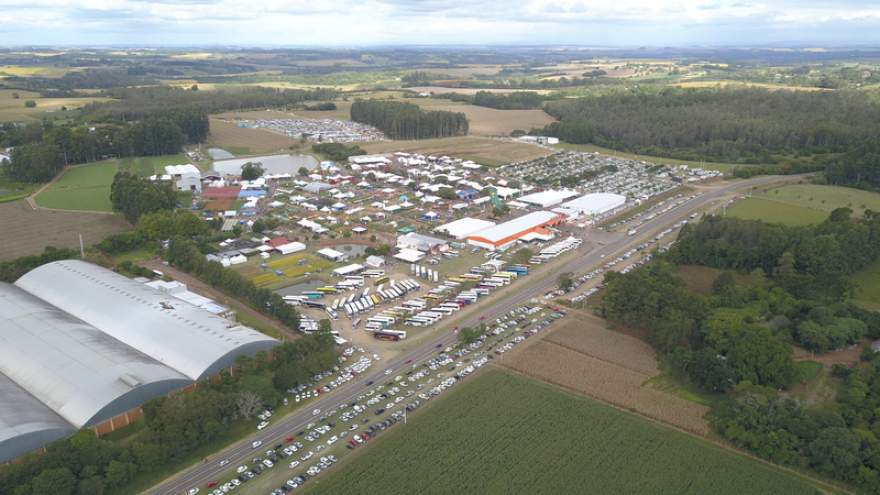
(82, 252)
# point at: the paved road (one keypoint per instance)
(533, 287)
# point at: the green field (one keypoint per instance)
(504, 434)
(822, 198)
(87, 187)
(293, 266)
(775, 212)
(868, 287)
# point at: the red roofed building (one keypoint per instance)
(277, 241)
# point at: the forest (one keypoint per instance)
(520, 100)
(729, 125)
(407, 121)
(738, 339)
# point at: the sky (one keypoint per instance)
(439, 22)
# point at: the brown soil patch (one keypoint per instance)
(219, 204)
(225, 133)
(584, 357)
(27, 231)
(848, 356)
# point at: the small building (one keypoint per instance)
(375, 261)
(290, 248)
(317, 187)
(348, 269)
(410, 255)
(332, 254)
(421, 242)
(186, 177)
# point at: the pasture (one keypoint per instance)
(13, 110)
(822, 198)
(27, 231)
(768, 210)
(87, 187)
(486, 151)
(501, 433)
(226, 134)
(488, 121)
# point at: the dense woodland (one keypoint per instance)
(737, 340)
(730, 125)
(859, 167)
(175, 426)
(407, 121)
(520, 100)
(135, 196)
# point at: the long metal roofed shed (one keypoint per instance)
(506, 233)
(184, 337)
(26, 424)
(80, 372)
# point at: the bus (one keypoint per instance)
(382, 280)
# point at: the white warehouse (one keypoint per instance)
(591, 205)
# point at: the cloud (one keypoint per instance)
(409, 22)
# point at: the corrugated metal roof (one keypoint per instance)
(78, 371)
(515, 226)
(26, 423)
(185, 338)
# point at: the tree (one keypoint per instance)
(468, 335)
(248, 404)
(57, 481)
(134, 196)
(251, 171)
(120, 473)
(565, 281)
(30, 103)
(325, 325)
(303, 172)
(36, 162)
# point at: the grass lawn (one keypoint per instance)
(822, 198)
(500, 433)
(868, 287)
(721, 167)
(87, 187)
(768, 210)
(11, 190)
(13, 110)
(289, 265)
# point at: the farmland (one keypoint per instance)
(13, 110)
(584, 357)
(822, 198)
(489, 121)
(503, 433)
(87, 187)
(227, 134)
(27, 231)
(772, 211)
(490, 152)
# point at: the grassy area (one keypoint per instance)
(721, 167)
(11, 190)
(293, 266)
(822, 198)
(87, 187)
(249, 320)
(502, 433)
(775, 212)
(12, 109)
(669, 383)
(868, 287)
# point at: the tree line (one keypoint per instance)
(400, 120)
(176, 426)
(780, 286)
(338, 152)
(733, 125)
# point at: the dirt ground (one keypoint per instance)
(581, 355)
(488, 121)
(251, 141)
(848, 356)
(487, 151)
(26, 231)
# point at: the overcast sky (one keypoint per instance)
(402, 22)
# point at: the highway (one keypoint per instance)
(533, 286)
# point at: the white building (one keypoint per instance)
(332, 254)
(548, 198)
(420, 242)
(464, 227)
(186, 177)
(375, 261)
(591, 204)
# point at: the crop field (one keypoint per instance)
(225, 134)
(868, 287)
(489, 152)
(87, 187)
(723, 83)
(489, 121)
(822, 198)
(501, 433)
(586, 334)
(773, 211)
(26, 231)
(293, 266)
(13, 110)
(473, 91)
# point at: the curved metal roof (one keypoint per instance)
(78, 371)
(26, 424)
(182, 336)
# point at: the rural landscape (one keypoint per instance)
(439, 265)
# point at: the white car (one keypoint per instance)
(192, 491)
(256, 444)
(294, 464)
(262, 425)
(389, 371)
(268, 463)
(316, 412)
(241, 469)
